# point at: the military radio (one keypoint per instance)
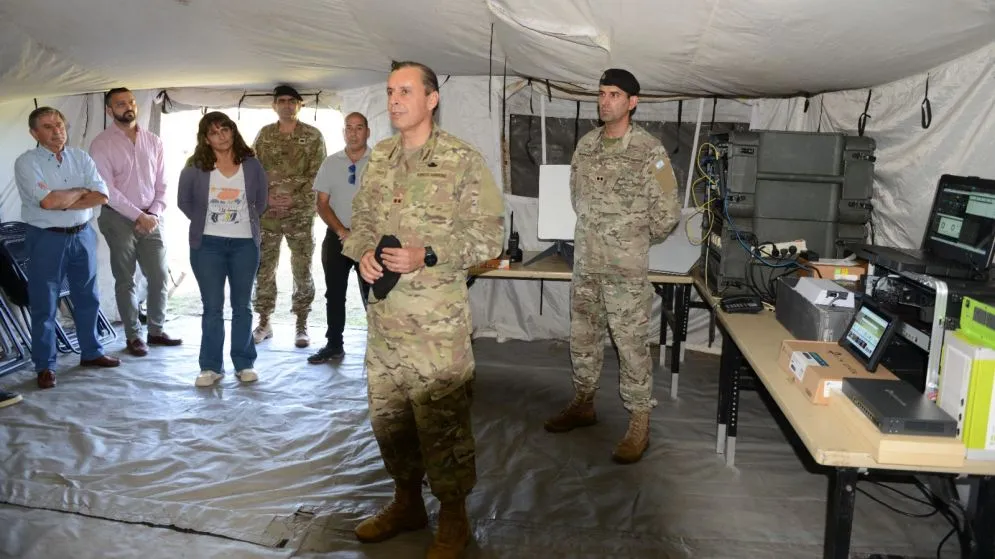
(514, 252)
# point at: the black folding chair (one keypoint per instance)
(16, 286)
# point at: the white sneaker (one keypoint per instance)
(247, 375)
(262, 332)
(207, 378)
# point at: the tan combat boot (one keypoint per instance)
(263, 330)
(637, 438)
(454, 532)
(579, 413)
(404, 514)
(302, 339)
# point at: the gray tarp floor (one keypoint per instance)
(137, 462)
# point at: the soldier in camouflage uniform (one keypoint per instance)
(435, 193)
(624, 192)
(291, 152)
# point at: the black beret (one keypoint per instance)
(621, 79)
(388, 280)
(286, 90)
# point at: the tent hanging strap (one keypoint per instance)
(549, 91)
(490, 70)
(86, 122)
(317, 97)
(36, 102)
(715, 103)
(577, 125)
(504, 102)
(166, 101)
(926, 110)
(864, 116)
(680, 118)
(238, 114)
(805, 106)
(532, 108)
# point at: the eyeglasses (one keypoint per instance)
(352, 174)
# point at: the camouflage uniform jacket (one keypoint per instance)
(442, 196)
(291, 162)
(625, 198)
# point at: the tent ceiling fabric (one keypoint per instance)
(756, 48)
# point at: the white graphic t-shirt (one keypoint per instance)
(227, 209)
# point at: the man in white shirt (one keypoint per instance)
(336, 184)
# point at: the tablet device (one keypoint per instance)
(869, 334)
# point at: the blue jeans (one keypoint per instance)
(235, 260)
(54, 257)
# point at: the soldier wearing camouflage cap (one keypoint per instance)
(291, 153)
(434, 193)
(624, 193)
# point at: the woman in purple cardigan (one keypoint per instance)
(223, 190)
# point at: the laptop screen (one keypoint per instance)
(962, 227)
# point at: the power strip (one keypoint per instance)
(767, 250)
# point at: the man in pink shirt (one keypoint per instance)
(130, 160)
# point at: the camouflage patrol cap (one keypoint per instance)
(622, 79)
(282, 90)
(388, 280)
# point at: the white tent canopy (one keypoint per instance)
(762, 56)
(712, 47)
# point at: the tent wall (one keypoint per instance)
(85, 116)
(910, 159)
(511, 309)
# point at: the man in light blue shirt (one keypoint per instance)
(59, 188)
(337, 182)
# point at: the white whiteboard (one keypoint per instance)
(676, 254)
(556, 214)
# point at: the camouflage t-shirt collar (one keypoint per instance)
(616, 146)
(427, 149)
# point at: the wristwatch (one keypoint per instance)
(430, 258)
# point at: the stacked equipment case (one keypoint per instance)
(772, 187)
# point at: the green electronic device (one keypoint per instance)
(978, 320)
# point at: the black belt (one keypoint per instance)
(68, 230)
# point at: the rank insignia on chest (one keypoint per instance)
(302, 141)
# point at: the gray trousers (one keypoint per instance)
(126, 249)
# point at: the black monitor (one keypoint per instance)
(869, 334)
(962, 223)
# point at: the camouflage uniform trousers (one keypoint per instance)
(300, 240)
(417, 432)
(623, 304)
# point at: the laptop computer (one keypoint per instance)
(959, 239)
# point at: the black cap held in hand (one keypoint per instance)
(388, 280)
(282, 90)
(621, 79)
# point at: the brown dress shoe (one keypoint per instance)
(137, 347)
(102, 361)
(164, 339)
(46, 379)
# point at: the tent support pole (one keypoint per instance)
(694, 151)
(542, 125)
